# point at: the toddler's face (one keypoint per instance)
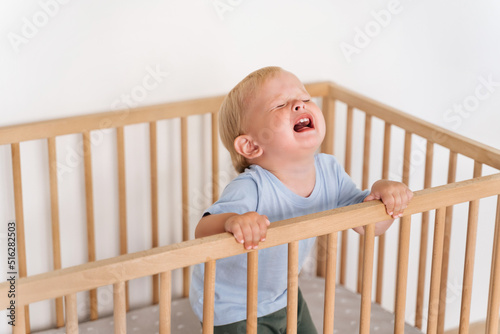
(283, 120)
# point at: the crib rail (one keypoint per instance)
(162, 260)
(457, 143)
(331, 94)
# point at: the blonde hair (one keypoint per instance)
(231, 113)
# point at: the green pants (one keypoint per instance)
(274, 323)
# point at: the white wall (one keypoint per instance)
(86, 56)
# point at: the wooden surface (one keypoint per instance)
(365, 180)
(71, 314)
(185, 198)
(452, 171)
(119, 308)
(20, 233)
(424, 233)
(402, 274)
(470, 251)
(208, 297)
(165, 302)
(347, 167)
(215, 157)
(153, 261)
(381, 240)
(437, 260)
(366, 289)
(330, 279)
(153, 157)
(292, 287)
(252, 291)
(89, 204)
(54, 213)
(494, 293)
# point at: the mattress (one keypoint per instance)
(347, 306)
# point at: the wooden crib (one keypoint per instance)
(385, 140)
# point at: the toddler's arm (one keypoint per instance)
(249, 228)
(395, 196)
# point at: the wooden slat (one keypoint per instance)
(292, 287)
(494, 292)
(215, 157)
(152, 261)
(330, 279)
(119, 308)
(165, 302)
(366, 152)
(479, 152)
(328, 109)
(347, 165)
(343, 257)
(20, 231)
(366, 291)
(364, 185)
(54, 211)
(402, 274)
(321, 256)
(252, 291)
(348, 140)
(89, 203)
(122, 196)
(387, 151)
(381, 238)
(404, 245)
(120, 118)
(153, 155)
(329, 114)
(424, 239)
(20, 327)
(122, 189)
(452, 172)
(470, 252)
(437, 259)
(185, 198)
(406, 159)
(71, 314)
(208, 297)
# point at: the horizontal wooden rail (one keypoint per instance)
(166, 258)
(120, 118)
(473, 149)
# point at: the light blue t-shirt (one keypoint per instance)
(256, 189)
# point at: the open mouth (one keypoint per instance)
(303, 123)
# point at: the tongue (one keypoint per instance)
(299, 127)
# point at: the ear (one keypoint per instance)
(246, 146)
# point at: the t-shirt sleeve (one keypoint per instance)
(348, 192)
(239, 196)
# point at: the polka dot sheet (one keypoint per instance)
(347, 306)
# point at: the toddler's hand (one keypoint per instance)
(249, 228)
(395, 196)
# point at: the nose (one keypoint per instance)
(299, 104)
